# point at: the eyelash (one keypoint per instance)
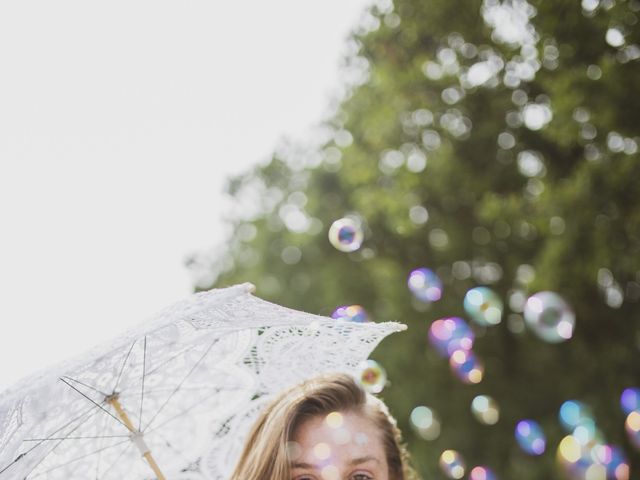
(357, 476)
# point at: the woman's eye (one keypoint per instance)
(361, 476)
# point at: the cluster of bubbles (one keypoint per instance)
(453, 338)
(584, 453)
(372, 376)
(345, 234)
(351, 313)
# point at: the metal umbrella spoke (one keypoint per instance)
(144, 369)
(124, 363)
(96, 404)
(89, 454)
(84, 385)
(177, 388)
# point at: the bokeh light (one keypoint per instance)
(530, 437)
(485, 410)
(482, 473)
(484, 306)
(425, 423)
(346, 235)
(448, 335)
(452, 464)
(425, 285)
(351, 313)
(549, 317)
(372, 376)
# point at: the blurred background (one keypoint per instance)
(473, 155)
(492, 144)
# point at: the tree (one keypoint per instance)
(495, 143)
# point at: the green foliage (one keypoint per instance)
(508, 191)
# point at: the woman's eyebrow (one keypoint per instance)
(304, 465)
(359, 460)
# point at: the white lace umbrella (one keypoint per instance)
(175, 397)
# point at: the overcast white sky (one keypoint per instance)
(119, 122)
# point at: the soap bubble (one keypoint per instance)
(632, 426)
(530, 437)
(550, 317)
(485, 409)
(452, 464)
(425, 423)
(466, 366)
(425, 285)
(483, 306)
(351, 313)
(346, 235)
(372, 376)
(482, 473)
(630, 400)
(450, 334)
(573, 414)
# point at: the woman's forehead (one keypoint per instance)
(342, 434)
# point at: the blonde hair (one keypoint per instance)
(265, 455)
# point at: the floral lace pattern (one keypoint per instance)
(185, 386)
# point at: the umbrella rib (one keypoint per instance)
(169, 360)
(74, 460)
(144, 372)
(88, 411)
(184, 412)
(124, 362)
(73, 438)
(181, 382)
(85, 385)
(93, 412)
(96, 404)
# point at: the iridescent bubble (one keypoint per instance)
(630, 400)
(483, 306)
(632, 426)
(530, 437)
(485, 409)
(346, 235)
(425, 423)
(448, 335)
(573, 414)
(466, 366)
(351, 313)
(550, 317)
(372, 376)
(452, 464)
(425, 285)
(482, 473)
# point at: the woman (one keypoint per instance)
(327, 428)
